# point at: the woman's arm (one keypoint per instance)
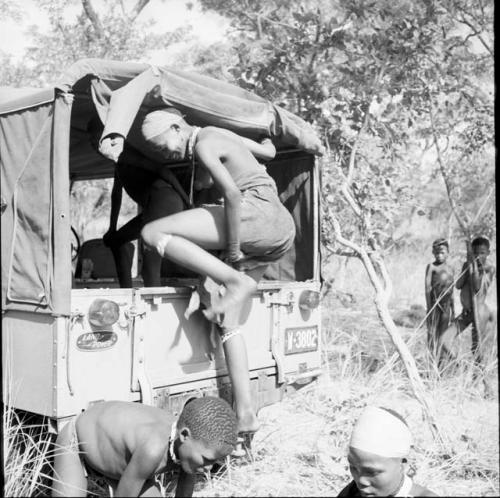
(141, 467)
(428, 279)
(185, 484)
(123, 108)
(264, 149)
(205, 151)
(116, 203)
(463, 276)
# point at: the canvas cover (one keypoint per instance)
(122, 91)
(44, 144)
(34, 137)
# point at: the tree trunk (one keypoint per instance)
(381, 282)
(417, 386)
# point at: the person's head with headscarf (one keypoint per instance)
(167, 132)
(379, 445)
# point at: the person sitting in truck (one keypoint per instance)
(378, 449)
(128, 444)
(251, 226)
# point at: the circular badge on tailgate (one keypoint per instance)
(96, 341)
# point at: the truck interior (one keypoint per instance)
(292, 170)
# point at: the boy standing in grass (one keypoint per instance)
(439, 298)
(474, 282)
(379, 445)
(130, 443)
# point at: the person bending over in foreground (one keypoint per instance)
(129, 443)
(379, 445)
(251, 226)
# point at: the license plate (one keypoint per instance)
(301, 340)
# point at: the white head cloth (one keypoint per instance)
(378, 431)
(156, 122)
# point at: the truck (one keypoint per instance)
(72, 338)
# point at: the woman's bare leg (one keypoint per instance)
(235, 352)
(206, 228)
(237, 362)
(183, 238)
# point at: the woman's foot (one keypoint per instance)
(237, 292)
(248, 425)
(247, 422)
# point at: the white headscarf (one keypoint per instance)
(379, 432)
(156, 122)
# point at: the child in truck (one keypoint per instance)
(130, 443)
(251, 226)
(380, 442)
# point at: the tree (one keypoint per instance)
(113, 33)
(355, 69)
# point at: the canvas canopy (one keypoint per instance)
(44, 144)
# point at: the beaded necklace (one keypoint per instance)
(190, 155)
(171, 452)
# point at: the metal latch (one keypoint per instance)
(276, 298)
(134, 311)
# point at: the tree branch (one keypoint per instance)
(372, 274)
(453, 206)
(138, 9)
(93, 18)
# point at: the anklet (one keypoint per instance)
(162, 244)
(227, 335)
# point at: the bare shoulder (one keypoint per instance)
(215, 133)
(153, 438)
(123, 416)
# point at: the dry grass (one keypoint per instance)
(300, 449)
(27, 450)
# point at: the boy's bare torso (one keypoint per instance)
(486, 273)
(441, 280)
(109, 433)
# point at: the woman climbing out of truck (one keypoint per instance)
(251, 226)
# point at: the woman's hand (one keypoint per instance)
(233, 258)
(112, 146)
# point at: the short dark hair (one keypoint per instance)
(395, 413)
(481, 241)
(210, 419)
(440, 242)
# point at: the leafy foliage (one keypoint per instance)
(366, 73)
(113, 33)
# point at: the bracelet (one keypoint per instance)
(228, 335)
